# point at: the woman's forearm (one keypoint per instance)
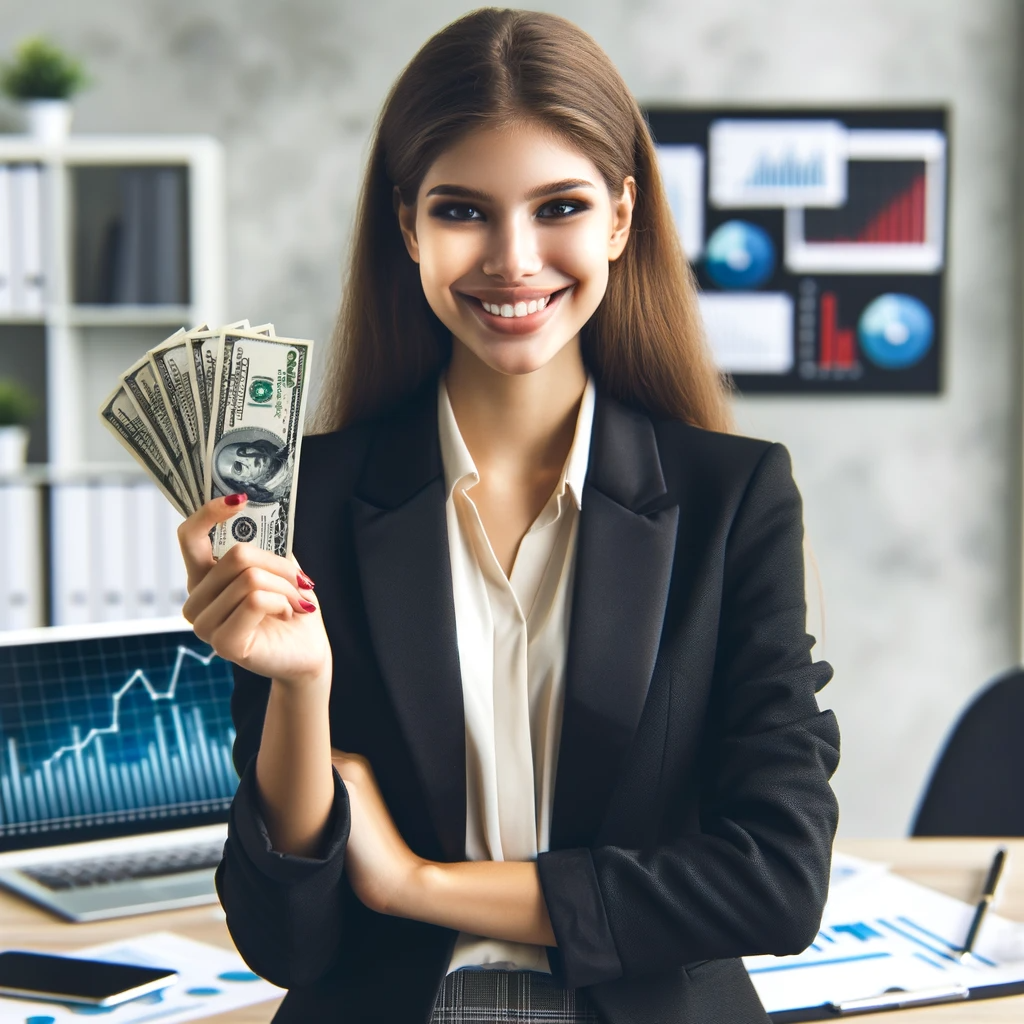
(293, 766)
(498, 899)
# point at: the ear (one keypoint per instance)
(622, 217)
(407, 224)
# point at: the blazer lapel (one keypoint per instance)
(625, 549)
(401, 539)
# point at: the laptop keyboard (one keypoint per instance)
(74, 874)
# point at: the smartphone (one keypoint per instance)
(66, 979)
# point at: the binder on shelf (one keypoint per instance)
(71, 528)
(145, 594)
(26, 224)
(146, 250)
(110, 551)
(21, 557)
(175, 574)
(6, 242)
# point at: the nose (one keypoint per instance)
(512, 249)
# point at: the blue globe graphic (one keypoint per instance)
(896, 331)
(739, 255)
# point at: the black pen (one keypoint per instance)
(991, 883)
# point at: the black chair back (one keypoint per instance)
(977, 786)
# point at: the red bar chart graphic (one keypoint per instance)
(902, 221)
(885, 205)
(836, 344)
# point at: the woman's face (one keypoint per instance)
(494, 222)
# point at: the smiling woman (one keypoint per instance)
(547, 746)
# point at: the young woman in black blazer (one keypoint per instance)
(692, 818)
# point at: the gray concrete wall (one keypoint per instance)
(912, 504)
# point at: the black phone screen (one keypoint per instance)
(65, 977)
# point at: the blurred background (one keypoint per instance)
(912, 501)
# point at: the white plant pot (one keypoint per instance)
(48, 120)
(13, 448)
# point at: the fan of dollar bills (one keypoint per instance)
(210, 412)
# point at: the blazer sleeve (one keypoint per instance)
(754, 879)
(284, 912)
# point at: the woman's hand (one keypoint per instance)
(248, 605)
(380, 866)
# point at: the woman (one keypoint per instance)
(559, 654)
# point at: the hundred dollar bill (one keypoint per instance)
(258, 412)
(122, 418)
(170, 361)
(204, 348)
(140, 381)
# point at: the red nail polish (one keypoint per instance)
(235, 499)
(307, 606)
(305, 583)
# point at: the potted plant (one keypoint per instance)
(42, 78)
(17, 407)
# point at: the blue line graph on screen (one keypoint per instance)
(117, 734)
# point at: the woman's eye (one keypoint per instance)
(572, 204)
(462, 211)
(442, 211)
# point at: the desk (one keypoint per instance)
(956, 867)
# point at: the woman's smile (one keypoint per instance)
(518, 319)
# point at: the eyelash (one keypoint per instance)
(440, 211)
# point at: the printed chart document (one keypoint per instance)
(211, 980)
(879, 933)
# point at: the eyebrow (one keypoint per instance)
(534, 193)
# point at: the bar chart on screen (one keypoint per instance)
(130, 728)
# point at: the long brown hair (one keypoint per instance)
(494, 66)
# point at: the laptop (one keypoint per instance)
(115, 766)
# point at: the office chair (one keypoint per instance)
(977, 785)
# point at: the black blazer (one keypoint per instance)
(693, 818)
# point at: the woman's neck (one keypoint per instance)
(517, 425)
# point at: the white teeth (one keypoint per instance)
(519, 309)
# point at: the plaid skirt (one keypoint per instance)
(509, 997)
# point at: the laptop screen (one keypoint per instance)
(111, 729)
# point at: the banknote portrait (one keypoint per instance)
(252, 461)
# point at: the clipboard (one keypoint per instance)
(887, 943)
(909, 1000)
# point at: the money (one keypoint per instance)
(256, 433)
(210, 412)
(170, 363)
(122, 418)
(140, 381)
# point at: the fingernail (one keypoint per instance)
(235, 499)
(305, 583)
(307, 606)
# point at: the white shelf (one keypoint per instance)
(30, 319)
(129, 316)
(109, 149)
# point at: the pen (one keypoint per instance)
(987, 894)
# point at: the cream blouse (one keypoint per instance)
(512, 635)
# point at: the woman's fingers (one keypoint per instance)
(234, 562)
(232, 639)
(251, 579)
(194, 535)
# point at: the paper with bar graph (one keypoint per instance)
(882, 932)
(210, 980)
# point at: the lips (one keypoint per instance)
(515, 324)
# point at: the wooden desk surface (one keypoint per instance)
(956, 867)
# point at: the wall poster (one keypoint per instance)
(818, 238)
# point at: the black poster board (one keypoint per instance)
(818, 237)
